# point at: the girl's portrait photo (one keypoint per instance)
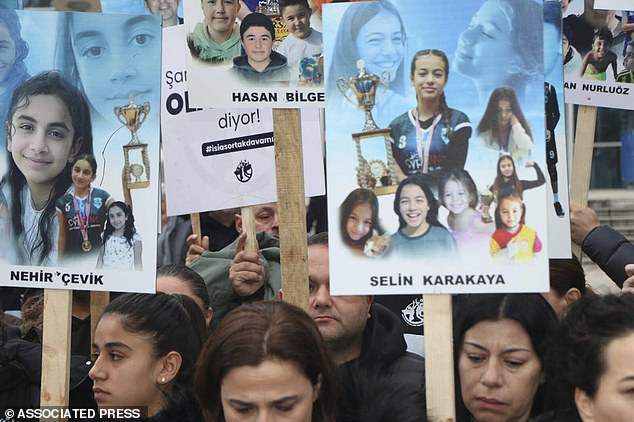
(82, 213)
(503, 127)
(512, 238)
(62, 74)
(122, 245)
(451, 89)
(109, 63)
(48, 125)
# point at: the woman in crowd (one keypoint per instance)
(178, 278)
(595, 358)
(265, 361)
(501, 342)
(145, 348)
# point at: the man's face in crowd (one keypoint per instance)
(340, 319)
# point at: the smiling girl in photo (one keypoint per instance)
(48, 125)
(122, 245)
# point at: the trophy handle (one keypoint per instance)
(343, 86)
(119, 114)
(143, 112)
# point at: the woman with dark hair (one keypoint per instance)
(145, 350)
(359, 219)
(431, 136)
(374, 33)
(500, 46)
(419, 233)
(567, 284)
(500, 346)
(266, 360)
(504, 128)
(595, 360)
(178, 278)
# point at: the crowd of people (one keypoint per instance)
(217, 342)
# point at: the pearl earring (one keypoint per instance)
(162, 380)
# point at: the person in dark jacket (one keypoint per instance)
(361, 336)
(261, 63)
(609, 249)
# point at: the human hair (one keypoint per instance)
(462, 177)
(320, 238)
(356, 16)
(530, 310)
(50, 83)
(603, 34)
(443, 108)
(358, 197)
(590, 325)
(90, 159)
(500, 180)
(18, 71)
(566, 274)
(552, 13)
(128, 231)
(526, 19)
(170, 322)
(488, 122)
(418, 180)
(256, 19)
(567, 32)
(286, 3)
(510, 197)
(257, 332)
(189, 277)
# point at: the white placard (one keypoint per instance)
(222, 158)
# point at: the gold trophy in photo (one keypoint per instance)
(487, 200)
(376, 172)
(137, 161)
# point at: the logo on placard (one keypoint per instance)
(413, 313)
(244, 171)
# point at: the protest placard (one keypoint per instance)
(222, 158)
(466, 127)
(227, 69)
(101, 103)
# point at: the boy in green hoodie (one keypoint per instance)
(217, 38)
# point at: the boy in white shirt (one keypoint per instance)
(303, 43)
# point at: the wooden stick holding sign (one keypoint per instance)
(290, 199)
(439, 373)
(582, 159)
(56, 348)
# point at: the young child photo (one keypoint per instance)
(82, 213)
(596, 62)
(48, 125)
(260, 63)
(122, 245)
(627, 75)
(458, 193)
(217, 39)
(303, 45)
(512, 238)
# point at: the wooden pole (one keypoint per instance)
(248, 227)
(56, 348)
(290, 202)
(582, 159)
(439, 373)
